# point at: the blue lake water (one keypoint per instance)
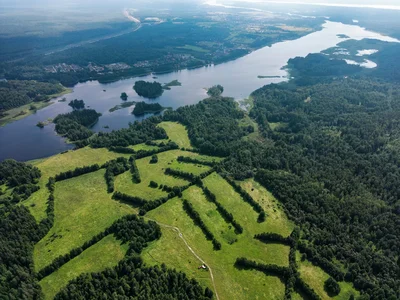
(22, 140)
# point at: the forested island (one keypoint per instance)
(75, 125)
(149, 90)
(142, 108)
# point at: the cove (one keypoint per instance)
(22, 140)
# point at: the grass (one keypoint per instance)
(61, 163)
(277, 220)
(104, 254)
(151, 172)
(21, 112)
(315, 277)
(177, 133)
(194, 48)
(231, 283)
(83, 208)
(188, 167)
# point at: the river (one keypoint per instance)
(22, 140)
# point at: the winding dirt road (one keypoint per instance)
(176, 229)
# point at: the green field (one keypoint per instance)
(194, 48)
(177, 133)
(104, 254)
(231, 283)
(83, 208)
(315, 277)
(61, 163)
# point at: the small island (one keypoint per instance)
(142, 108)
(149, 90)
(215, 91)
(77, 104)
(168, 86)
(342, 36)
(268, 76)
(122, 105)
(124, 96)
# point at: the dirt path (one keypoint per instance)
(191, 250)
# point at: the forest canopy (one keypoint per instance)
(146, 89)
(15, 93)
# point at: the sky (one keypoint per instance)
(383, 4)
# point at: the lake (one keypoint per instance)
(22, 140)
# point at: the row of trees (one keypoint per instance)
(134, 170)
(225, 214)
(195, 216)
(188, 159)
(78, 171)
(275, 238)
(114, 168)
(246, 197)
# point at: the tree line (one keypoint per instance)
(225, 214)
(246, 197)
(114, 168)
(195, 216)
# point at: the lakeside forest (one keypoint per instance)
(294, 197)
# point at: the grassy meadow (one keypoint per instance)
(82, 209)
(56, 164)
(177, 133)
(231, 283)
(104, 254)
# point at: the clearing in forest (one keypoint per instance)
(83, 208)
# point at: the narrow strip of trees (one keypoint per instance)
(246, 197)
(194, 215)
(114, 168)
(193, 160)
(77, 172)
(134, 170)
(227, 216)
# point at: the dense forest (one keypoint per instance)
(142, 108)
(74, 125)
(15, 93)
(212, 124)
(330, 154)
(131, 279)
(136, 133)
(146, 89)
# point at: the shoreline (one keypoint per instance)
(23, 111)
